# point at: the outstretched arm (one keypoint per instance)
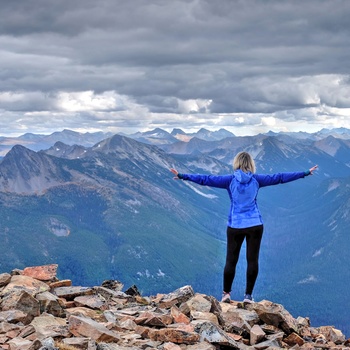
(281, 178)
(220, 181)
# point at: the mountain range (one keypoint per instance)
(106, 207)
(37, 142)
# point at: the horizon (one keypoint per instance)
(187, 131)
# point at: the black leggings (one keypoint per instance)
(235, 238)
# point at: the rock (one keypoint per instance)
(62, 283)
(109, 294)
(177, 297)
(239, 320)
(149, 318)
(213, 334)
(5, 279)
(142, 300)
(133, 291)
(215, 307)
(22, 301)
(204, 316)
(303, 321)
(201, 346)
(81, 326)
(20, 344)
(48, 344)
(42, 273)
(276, 338)
(29, 284)
(177, 336)
(26, 331)
(128, 324)
(14, 316)
(178, 316)
(50, 303)
(86, 312)
(70, 293)
(199, 303)
(171, 346)
(332, 334)
(16, 272)
(77, 342)
(6, 327)
(92, 301)
(294, 339)
(276, 315)
(113, 285)
(49, 326)
(256, 334)
(104, 346)
(268, 344)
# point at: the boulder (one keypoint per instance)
(49, 326)
(42, 273)
(86, 327)
(5, 279)
(29, 284)
(69, 293)
(51, 304)
(256, 334)
(174, 335)
(21, 300)
(177, 297)
(276, 315)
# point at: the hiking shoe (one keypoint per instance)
(248, 298)
(226, 298)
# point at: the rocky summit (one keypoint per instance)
(39, 311)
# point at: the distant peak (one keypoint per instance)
(177, 131)
(155, 131)
(60, 144)
(19, 149)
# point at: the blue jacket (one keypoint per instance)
(243, 190)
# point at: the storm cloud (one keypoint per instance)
(116, 65)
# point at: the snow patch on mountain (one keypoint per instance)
(205, 164)
(137, 252)
(133, 202)
(309, 279)
(333, 185)
(58, 228)
(318, 252)
(148, 274)
(145, 273)
(206, 195)
(160, 273)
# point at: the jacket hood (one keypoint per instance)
(242, 177)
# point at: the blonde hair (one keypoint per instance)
(245, 162)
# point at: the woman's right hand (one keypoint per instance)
(175, 172)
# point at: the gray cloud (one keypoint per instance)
(209, 63)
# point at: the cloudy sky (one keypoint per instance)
(113, 65)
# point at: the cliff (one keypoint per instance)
(38, 311)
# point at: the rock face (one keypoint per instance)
(37, 311)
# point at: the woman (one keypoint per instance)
(244, 221)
